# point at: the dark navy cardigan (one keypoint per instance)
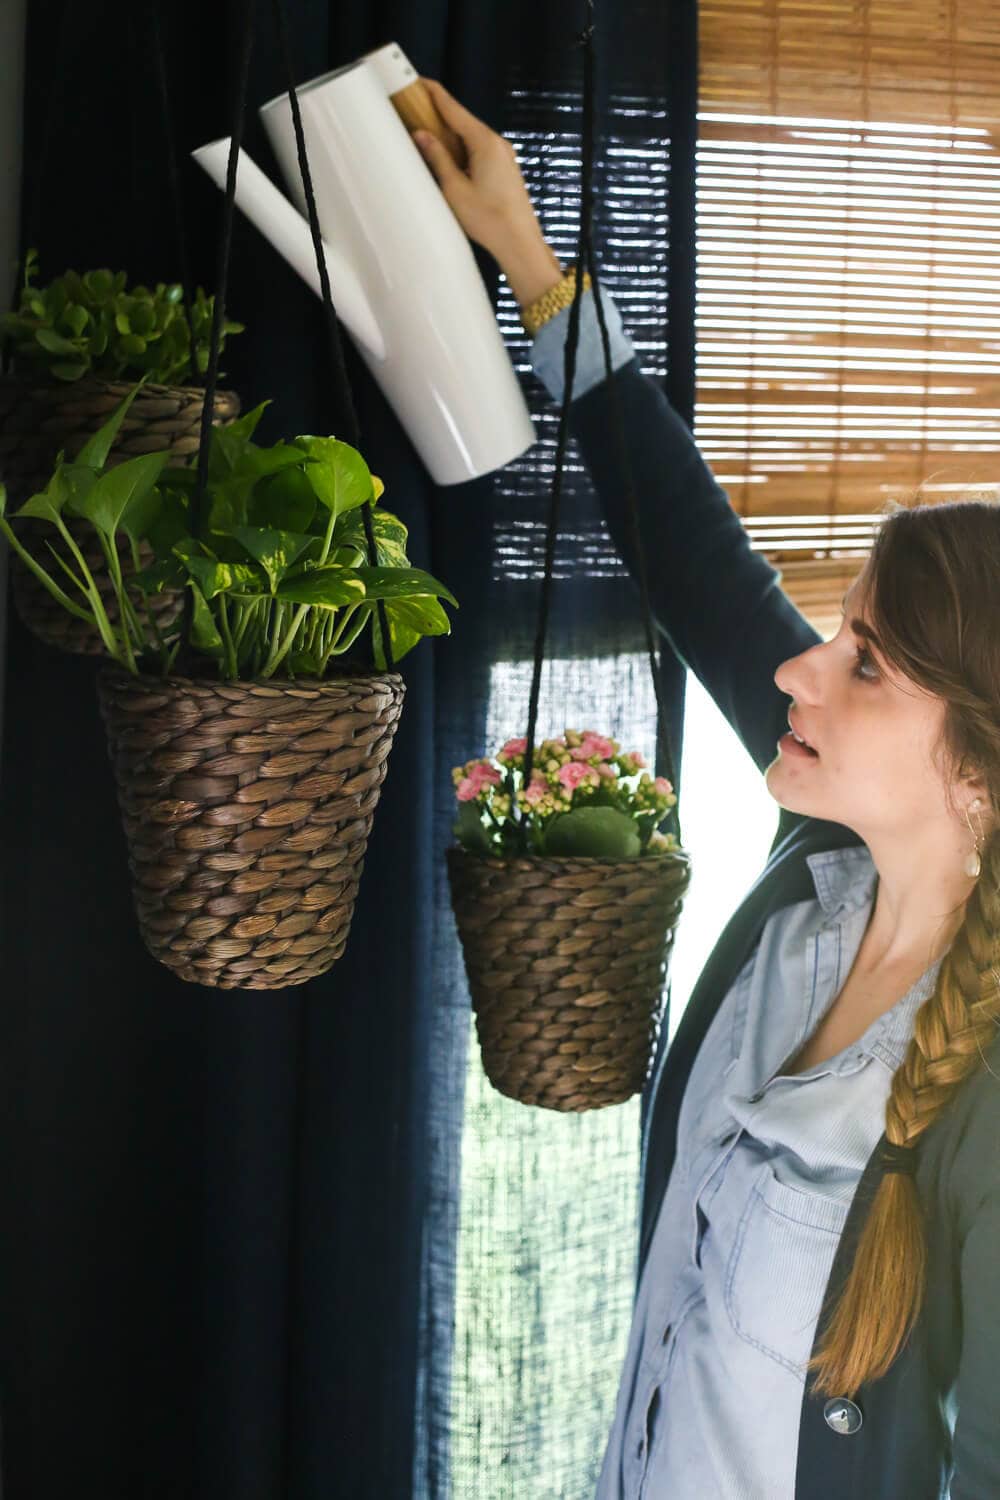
(721, 607)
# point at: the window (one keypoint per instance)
(729, 823)
(848, 187)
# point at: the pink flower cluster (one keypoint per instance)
(575, 774)
(478, 774)
(591, 745)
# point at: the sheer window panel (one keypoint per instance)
(729, 820)
(549, 1204)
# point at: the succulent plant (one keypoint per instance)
(94, 324)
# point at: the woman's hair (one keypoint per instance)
(932, 574)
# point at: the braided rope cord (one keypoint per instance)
(585, 259)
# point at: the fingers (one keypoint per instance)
(461, 120)
(438, 158)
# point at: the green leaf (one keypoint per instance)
(48, 504)
(215, 577)
(96, 449)
(204, 632)
(229, 443)
(139, 516)
(77, 318)
(469, 830)
(402, 637)
(390, 537)
(100, 284)
(161, 576)
(423, 615)
(276, 551)
(401, 583)
(66, 371)
(340, 478)
(119, 488)
(54, 342)
(169, 524)
(326, 588)
(79, 480)
(599, 832)
(284, 500)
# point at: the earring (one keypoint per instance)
(973, 864)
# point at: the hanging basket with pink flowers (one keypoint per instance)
(566, 895)
(565, 888)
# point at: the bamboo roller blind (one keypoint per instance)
(848, 307)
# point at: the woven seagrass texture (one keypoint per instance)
(247, 808)
(40, 419)
(566, 960)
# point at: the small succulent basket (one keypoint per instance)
(566, 960)
(247, 808)
(41, 418)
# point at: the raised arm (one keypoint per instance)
(717, 601)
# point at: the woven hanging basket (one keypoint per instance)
(247, 808)
(566, 960)
(38, 420)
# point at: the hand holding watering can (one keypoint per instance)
(489, 198)
(404, 280)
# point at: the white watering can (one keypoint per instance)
(404, 280)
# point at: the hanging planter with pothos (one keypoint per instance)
(76, 347)
(249, 748)
(566, 895)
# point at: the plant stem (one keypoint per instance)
(280, 651)
(94, 595)
(227, 639)
(328, 538)
(43, 577)
(344, 643)
(115, 569)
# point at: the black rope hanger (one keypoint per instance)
(341, 382)
(585, 258)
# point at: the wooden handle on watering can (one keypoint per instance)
(418, 111)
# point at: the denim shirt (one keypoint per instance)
(546, 353)
(766, 1167)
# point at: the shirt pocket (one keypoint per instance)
(779, 1266)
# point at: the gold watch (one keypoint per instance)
(549, 303)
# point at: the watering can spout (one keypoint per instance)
(281, 223)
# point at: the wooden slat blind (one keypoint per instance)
(849, 269)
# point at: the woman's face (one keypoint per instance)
(874, 731)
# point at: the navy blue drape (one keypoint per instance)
(212, 1203)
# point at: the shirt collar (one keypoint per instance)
(844, 878)
(845, 883)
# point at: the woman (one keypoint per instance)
(818, 1309)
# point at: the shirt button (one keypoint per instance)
(666, 1333)
(842, 1415)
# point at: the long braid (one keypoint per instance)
(883, 1294)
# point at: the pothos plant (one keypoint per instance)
(276, 567)
(585, 797)
(95, 324)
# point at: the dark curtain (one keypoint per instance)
(226, 1217)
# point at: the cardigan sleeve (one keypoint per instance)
(716, 600)
(976, 1446)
